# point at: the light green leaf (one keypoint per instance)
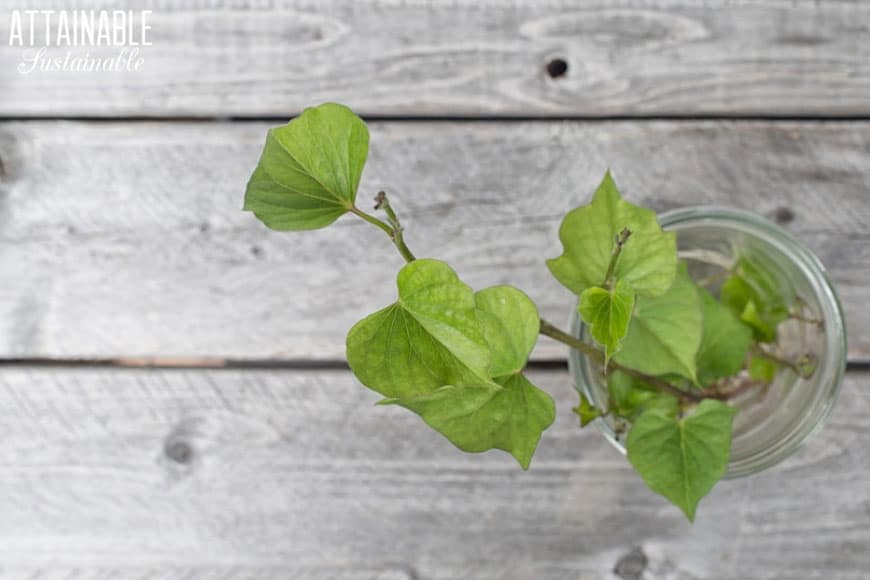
(309, 170)
(476, 419)
(754, 294)
(682, 459)
(428, 339)
(629, 397)
(724, 341)
(735, 293)
(430, 352)
(768, 291)
(586, 411)
(762, 369)
(739, 297)
(510, 324)
(762, 330)
(648, 259)
(607, 312)
(665, 331)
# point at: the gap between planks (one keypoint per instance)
(543, 118)
(213, 363)
(217, 363)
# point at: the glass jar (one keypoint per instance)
(773, 422)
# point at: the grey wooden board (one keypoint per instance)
(128, 238)
(465, 57)
(299, 475)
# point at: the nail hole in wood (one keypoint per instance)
(179, 452)
(783, 215)
(631, 565)
(557, 67)
(204, 227)
(256, 251)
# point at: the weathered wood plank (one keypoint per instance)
(326, 571)
(231, 475)
(635, 57)
(128, 239)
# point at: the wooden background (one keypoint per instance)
(125, 260)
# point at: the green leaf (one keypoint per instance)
(648, 259)
(428, 339)
(586, 411)
(682, 459)
(607, 312)
(665, 331)
(477, 419)
(724, 341)
(761, 329)
(739, 297)
(762, 369)
(769, 293)
(735, 293)
(436, 351)
(629, 397)
(510, 324)
(754, 294)
(309, 170)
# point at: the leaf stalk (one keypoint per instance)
(621, 238)
(594, 353)
(381, 202)
(393, 229)
(802, 368)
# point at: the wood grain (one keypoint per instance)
(466, 58)
(127, 239)
(240, 475)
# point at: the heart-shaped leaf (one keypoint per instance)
(309, 170)
(607, 312)
(724, 340)
(429, 338)
(665, 331)
(476, 419)
(682, 459)
(647, 261)
(437, 350)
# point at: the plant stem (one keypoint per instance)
(621, 238)
(801, 318)
(742, 387)
(555, 333)
(795, 366)
(548, 329)
(372, 220)
(381, 202)
(797, 313)
(393, 229)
